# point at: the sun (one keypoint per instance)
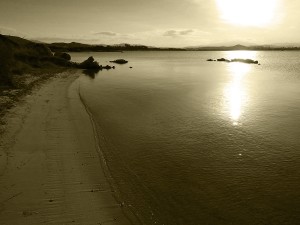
(259, 13)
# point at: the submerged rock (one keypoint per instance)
(119, 61)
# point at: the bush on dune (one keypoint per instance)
(6, 62)
(57, 61)
(18, 56)
(63, 55)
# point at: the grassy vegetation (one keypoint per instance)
(24, 65)
(6, 61)
(19, 56)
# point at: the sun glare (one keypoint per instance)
(257, 13)
(235, 92)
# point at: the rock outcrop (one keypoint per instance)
(90, 63)
(248, 61)
(223, 60)
(119, 61)
(107, 67)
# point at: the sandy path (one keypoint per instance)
(50, 172)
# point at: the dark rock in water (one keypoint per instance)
(63, 55)
(119, 61)
(223, 60)
(113, 67)
(107, 67)
(90, 63)
(249, 61)
(210, 60)
(130, 67)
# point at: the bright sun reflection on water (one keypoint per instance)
(234, 92)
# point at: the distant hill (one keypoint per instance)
(243, 47)
(218, 48)
(78, 47)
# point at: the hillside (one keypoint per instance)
(78, 47)
(18, 56)
(243, 47)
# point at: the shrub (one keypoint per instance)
(6, 61)
(63, 55)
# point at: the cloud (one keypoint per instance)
(186, 32)
(177, 33)
(170, 33)
(106, 33)
(110, 34)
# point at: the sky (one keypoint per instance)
(162, 23)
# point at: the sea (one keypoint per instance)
(191, 142)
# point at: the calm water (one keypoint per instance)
(195, 142)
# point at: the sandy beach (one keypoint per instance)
(50, 169)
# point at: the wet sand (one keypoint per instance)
(50, 169)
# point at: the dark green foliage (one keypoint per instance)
(18, 56)
(6, 62)
(57, 61)
(63, 55)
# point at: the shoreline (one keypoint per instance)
(50, 170)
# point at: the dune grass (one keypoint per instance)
(24, 65)
(19, 56)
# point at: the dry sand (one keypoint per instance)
(50, 169)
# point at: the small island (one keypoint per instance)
(119, 61)
(248, 61)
